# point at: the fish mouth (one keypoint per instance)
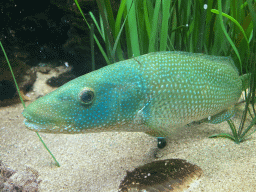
(37, 127)
(34, 126)
(47, 126)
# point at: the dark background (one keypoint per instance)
(48, 31)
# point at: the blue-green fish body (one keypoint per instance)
(152, 93)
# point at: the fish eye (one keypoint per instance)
(87, 96)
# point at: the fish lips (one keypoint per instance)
(38, 126)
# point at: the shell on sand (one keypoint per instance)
(163, 175)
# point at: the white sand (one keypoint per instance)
(98, 161)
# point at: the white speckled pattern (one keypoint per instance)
(186, 87)
(152, 92)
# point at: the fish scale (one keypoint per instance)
(186, 87)
(152, 93)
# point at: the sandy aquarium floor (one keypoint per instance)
(98, 161)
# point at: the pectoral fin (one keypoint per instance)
(156, 133)
(222, 116)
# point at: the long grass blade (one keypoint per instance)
(233, 129)
(146, 16)
(152, 38)
(14, 79)
(118, 35)
(96, 39)
(18, 90)
(97, 25)
(253, 14)
(110, 16)
(224, 135)
(164, 30)
(133, 29)
(119, 30)
(249, 129)
(226, 34)
(234, 21)
(92, 46)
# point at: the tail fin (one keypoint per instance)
(245, 81)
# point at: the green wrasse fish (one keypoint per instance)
(152, 93)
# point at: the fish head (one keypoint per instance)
(90, 103)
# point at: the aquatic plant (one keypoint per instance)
(145, 26)
(18, 90)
